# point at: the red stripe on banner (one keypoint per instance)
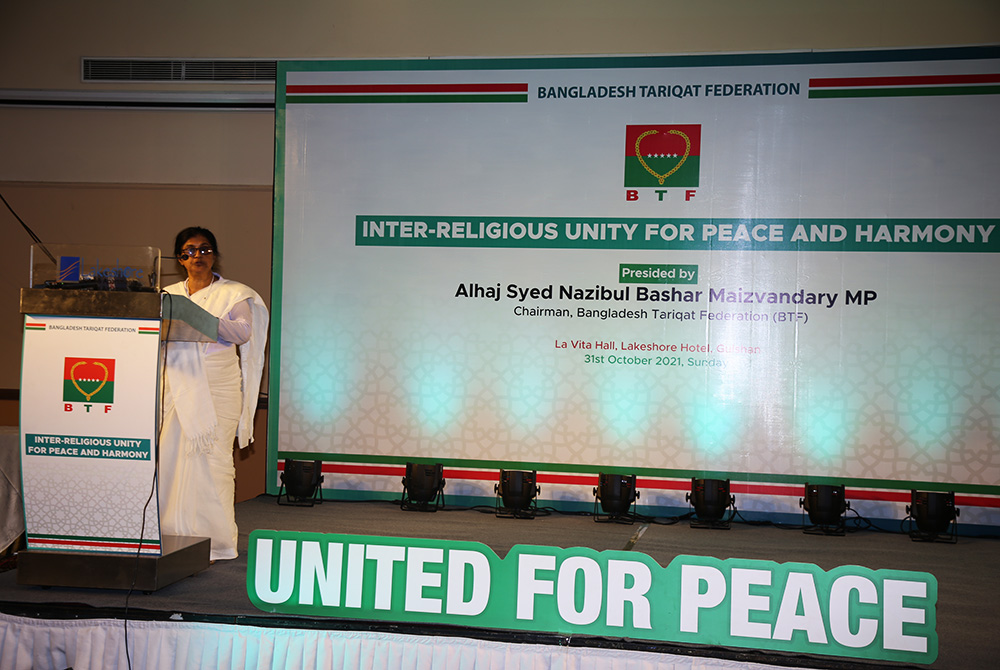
(387, 470)
(405, 88)
(572, 480)
(641, 483)
(884, 496)
(976, 501)
(910, 80)
(476, 475)
(765, 489)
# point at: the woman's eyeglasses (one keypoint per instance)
(186, 254)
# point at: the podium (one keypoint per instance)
(90, 420)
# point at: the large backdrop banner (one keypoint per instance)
(771, 267)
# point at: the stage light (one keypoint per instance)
(300, 483)
(615, 493)
(826, 505)
(933, 512)
(711, 499)
(423, 487)
(515, 494)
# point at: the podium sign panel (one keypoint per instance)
(88, 433)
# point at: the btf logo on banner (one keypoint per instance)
(661, 157)
(90, 381)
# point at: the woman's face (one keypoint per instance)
(197, 256)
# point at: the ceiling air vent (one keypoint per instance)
(197, 70)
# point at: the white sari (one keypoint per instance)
(209, 398)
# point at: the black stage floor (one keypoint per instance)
(968, 572)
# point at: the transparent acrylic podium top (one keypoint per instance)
(100, 267)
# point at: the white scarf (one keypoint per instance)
(188, 381)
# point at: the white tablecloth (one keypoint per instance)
(11, 502)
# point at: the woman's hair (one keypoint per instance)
(194, 231)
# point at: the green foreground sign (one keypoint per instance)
(789, 607)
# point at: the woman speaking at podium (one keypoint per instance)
(209, 398)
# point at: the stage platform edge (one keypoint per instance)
(182, 557)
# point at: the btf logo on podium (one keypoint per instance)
(90, 381)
